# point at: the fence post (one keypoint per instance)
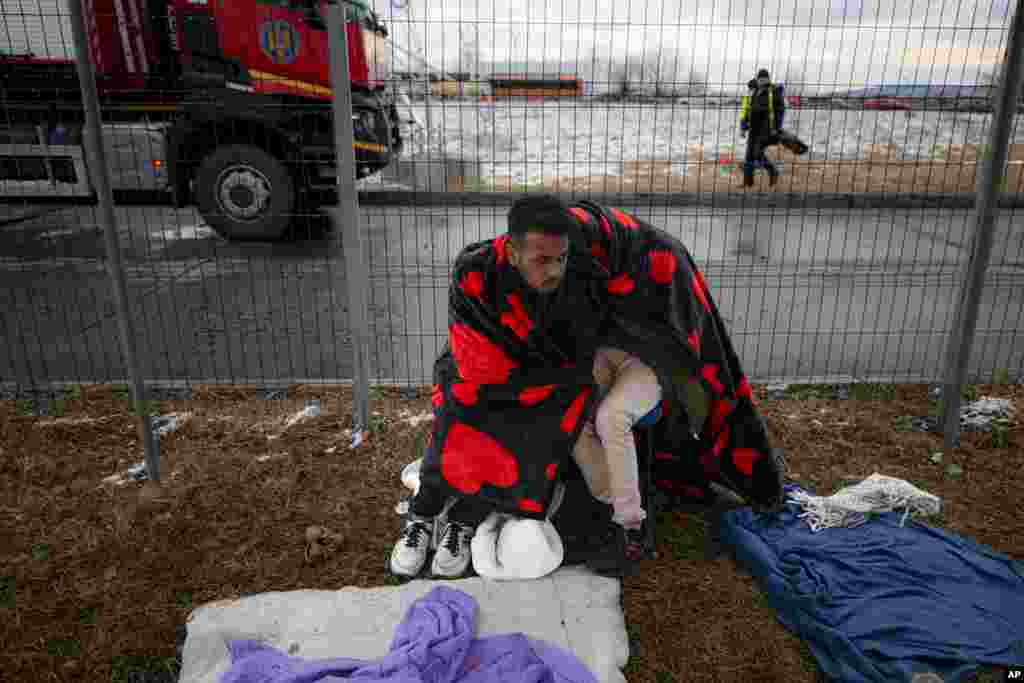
(428, 93)
(990, 179)
(346, 217)
(95, 155)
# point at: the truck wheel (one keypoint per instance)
(245, 194)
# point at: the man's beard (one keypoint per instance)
(547, 300)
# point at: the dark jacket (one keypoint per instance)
(759, 107)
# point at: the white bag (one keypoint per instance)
(506, 547)
(509, 548)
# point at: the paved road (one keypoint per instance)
(811, 294)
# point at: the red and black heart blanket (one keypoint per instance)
(513, 387)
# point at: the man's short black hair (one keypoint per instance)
(763, 73)
(543, 213)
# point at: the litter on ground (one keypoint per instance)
(133, 473)
(357, 439)
(416, 420)
(982, 414)
(165, 424)
(311, 410)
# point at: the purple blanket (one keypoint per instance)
(435, 644)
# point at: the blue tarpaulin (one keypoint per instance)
(883, 603)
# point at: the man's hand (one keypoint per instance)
(743, 133)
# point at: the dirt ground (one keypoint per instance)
(880, 169)
(96, 579)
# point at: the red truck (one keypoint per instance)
(239, 92)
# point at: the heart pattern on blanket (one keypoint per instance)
(623, 284)
(470, 458)
(572, 416)
(480, 360)
(663, 265)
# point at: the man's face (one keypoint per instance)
(541, 260)
(763, 82)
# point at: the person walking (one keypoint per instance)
(761, 114)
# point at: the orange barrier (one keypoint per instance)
(536, 87)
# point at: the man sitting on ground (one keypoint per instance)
(514, 391)
(514, 292)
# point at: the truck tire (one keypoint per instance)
(244, 193)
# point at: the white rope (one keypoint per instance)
(850, 506)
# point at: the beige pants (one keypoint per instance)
(606, 450)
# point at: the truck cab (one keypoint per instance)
(256, 142)
(240, 89)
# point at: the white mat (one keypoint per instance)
(572, 608)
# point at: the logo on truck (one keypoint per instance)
(279, 41)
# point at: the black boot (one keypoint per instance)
(621, 553)
(748, 181)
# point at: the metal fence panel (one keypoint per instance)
(848, 268)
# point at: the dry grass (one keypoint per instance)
(95, 578)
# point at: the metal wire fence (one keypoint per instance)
(850, 267)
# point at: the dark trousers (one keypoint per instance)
(757, 141)
(429, 502)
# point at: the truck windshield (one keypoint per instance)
(356, 10)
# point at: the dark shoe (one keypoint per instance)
(712, 537)
(620, 555)
(772, 180)
(723, 500)
(748, 181)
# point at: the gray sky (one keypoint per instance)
(827, 44)
(835, 43)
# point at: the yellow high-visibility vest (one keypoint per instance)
(745, 107)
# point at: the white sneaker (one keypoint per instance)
(410, 552)
(451, 561)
